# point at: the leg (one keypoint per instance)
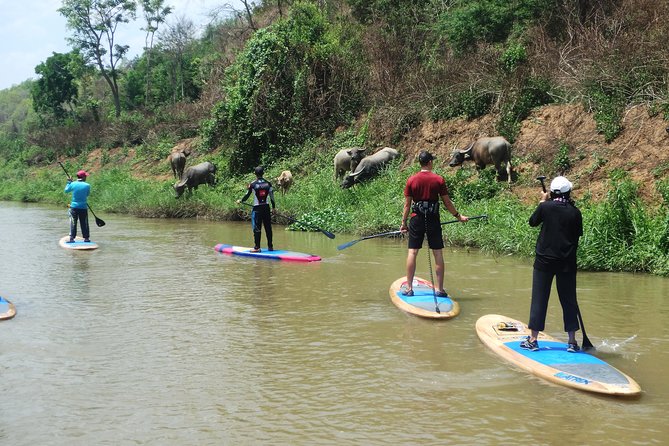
(416, 235)
(267, 220)
(85, 229)
(411, 267)
(256, 222)
(509, 169)
(73, 223)
(439, 268)
(541, 290)
(566, 288)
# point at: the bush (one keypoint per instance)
(562, 162)
(285, 87)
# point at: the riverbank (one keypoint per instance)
(621, 233)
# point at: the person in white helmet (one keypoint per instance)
(561, 227)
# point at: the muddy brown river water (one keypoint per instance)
(155, 339)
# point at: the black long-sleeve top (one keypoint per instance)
(558, 239)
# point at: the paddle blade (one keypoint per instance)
(347, 244)
(100, 222)
(327, 233)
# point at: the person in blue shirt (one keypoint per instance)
(261, 214)
(80, 190)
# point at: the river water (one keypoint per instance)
(156, 339)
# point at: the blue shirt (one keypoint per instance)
(80, 190)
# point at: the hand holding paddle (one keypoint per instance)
(98, 221)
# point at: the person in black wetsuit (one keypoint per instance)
(562, 226)
(261, 214)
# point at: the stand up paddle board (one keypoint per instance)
(552, 361)
(78, 244)
(277, 254)
(422, 302)
(7, 309)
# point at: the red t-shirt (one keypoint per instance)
(425, 186)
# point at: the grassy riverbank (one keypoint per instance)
(621, 233)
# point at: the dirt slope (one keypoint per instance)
(641, 148)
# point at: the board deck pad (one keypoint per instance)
(277, 254)
(552, 361)
(422, 303)
(78, 244)
(7, 309)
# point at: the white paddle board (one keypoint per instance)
(77, 244)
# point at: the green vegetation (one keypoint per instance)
(288, 83)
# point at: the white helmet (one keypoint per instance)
(560, 185)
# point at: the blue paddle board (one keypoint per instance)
(552, 361)
(78, 244)
(277, 254)
(422, 303)
(7, 309)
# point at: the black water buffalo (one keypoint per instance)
(177, 163)
(370, 166)
(489, 150)
(347, 159)
(203, 173)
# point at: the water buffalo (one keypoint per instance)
(489, 150)
(177, 163)
(284, 181)
(203, 173)
(369, 166)
(347, 159)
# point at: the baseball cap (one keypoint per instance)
(82, 174)
(425, 157)
(560, 185)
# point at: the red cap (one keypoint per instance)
(82, 174)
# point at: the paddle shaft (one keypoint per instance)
(586, 342)
(471, 218)
(98, 221)
(328, 234)
(353, 242)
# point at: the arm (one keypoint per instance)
(451, 208)
(271, 197)
(245, 197)
(405, 213)
(536, 218)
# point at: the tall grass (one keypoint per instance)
(620, 233)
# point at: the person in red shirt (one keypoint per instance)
(422, 194)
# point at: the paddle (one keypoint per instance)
(98, 221)
(471, 218)
(353, 242)
(587, 345)
(383, 234)
(328, 234)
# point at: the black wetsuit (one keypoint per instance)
(261, 215)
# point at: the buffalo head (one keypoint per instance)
(179, 188)
(460, 156)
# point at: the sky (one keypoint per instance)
(32, 30)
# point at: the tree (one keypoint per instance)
(155, 13)
(94, 24)
(176, 40)
(57, 85)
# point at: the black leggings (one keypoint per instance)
(261, 216)
(541, 290)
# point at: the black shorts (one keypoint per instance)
(417, 228)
